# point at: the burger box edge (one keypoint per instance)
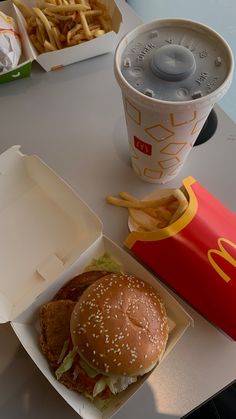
(35, 193)
(23, 69)
(57, 59)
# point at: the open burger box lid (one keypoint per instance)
(48, 235)
(56, 59)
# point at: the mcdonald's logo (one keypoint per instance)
(142, 146)
(224, 254)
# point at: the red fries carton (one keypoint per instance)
(196, 256)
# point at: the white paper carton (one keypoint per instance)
(23, 69)
(48, 235)
(56, 59)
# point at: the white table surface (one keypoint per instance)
(73, 119)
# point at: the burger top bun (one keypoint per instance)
(119, 326)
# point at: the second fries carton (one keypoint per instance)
(196, 256)
(56, 59)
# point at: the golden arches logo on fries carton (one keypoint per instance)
(188, 237)
(73, 30)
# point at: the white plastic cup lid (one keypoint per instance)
(176, 60)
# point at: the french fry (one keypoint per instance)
(147, 222)
(56, 34)
(183, 204)
(47, 25)
(152, 215)
(85, 26)
(41, 31)
(98, 32)
(58, 16)
(73, 31)
(160, 212)
(139, 204)
(39, 47)
(66, 8)
(26, 11)
(48, 46)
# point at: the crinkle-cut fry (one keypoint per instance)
(140, 204)
(25, 10)
(47, 25)
(85, 26)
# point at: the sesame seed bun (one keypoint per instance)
(119, 326)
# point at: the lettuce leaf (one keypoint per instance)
(66, 364)
(104, 263)
(115, 384)
(99, 386)
(91, 372)
(63, 351)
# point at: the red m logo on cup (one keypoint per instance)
(222, 255)
(142, 146)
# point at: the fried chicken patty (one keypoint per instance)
(74, 288)
(55, 328)
(55, 332)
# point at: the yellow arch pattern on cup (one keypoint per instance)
(159, 132)
(174, 123)
(133, 112)
(153, 174)
(196, 127)
(174, 148)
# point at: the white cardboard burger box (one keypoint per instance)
(23, 69)
(60, 58)
(48, 235)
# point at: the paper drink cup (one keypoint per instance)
(171, 73)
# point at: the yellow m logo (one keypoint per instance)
(224, 255)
